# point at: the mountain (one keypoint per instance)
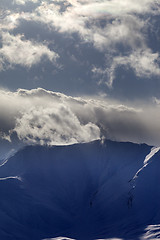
(84, 191)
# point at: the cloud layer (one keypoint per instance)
(16, 50)
(109, 26)
(42, 117)
(91, 38)
(22, 2)
(117, 28)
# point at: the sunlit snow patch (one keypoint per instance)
(5, 158)
(65, 238)
(111, 239)
(59, 238)
(152, 232)
(154, 150)
(147, 159)
(11, 177)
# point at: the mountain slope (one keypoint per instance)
(83, 191)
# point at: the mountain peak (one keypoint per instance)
(78, 191)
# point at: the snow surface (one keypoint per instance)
(148, 159)
(152, 232)
(11, 177)
(154, 150)
(60, 238)
(83, 192)
(6, 156)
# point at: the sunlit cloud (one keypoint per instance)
(9, 20)
(117, 29)
(22, 2)
(108, 26)
(144, 63)
(16, 50)
(44, 117)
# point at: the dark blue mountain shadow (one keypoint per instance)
(83, 191)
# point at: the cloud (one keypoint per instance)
(17, 50)
(9, 20)
(39, 116)
(156, 101)
(144, 62)
(43, 117)
(101, 22)
(22, 2)
(117, 28)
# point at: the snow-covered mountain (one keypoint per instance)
(84, 191)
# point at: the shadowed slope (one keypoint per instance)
(83, 191)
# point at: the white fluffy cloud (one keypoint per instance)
(17, 50)
(43, 117)
(9, 20)
(84, 18)
(108, 25)
(120, 19)
(22, 2)
(144, 63)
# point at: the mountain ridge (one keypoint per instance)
(81, 191)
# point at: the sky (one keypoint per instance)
(74, 71)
